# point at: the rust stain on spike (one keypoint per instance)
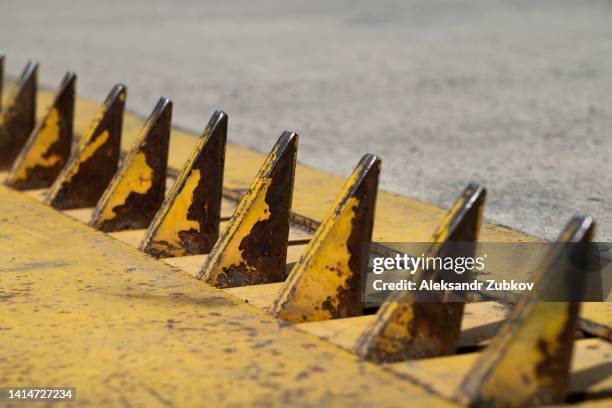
(48, 147)
(407, 329)
(253, 247)
(18, 117)
(326, 282)
(93, 164)
(137, 190)
(527, 363)
(188, 221)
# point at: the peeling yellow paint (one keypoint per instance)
(175, 219)
(138, 178)
(48, 135)
(252, 210)
(232, 262)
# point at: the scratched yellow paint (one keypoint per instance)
(138, 178)
(48, 135)
(175, 219)
(126, 329)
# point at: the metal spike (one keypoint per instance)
(48, 147)
(137, 190)
(253, 247)
(93, 164)
(1, 78)
(188, 221)
(326, 281)
(18, 117)
(407, 329)
(527, 363)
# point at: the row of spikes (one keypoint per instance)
(326, 283)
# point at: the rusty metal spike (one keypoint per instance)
(188, 221)
(253, 247)
(1, 79)
(92, 165)
(326, 281)
(407, 329)
(137, 190)
(18, 118)
(48, 147)
(527, 363)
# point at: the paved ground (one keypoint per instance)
(516, 95)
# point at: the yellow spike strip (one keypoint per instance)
(48, 147)
(527, 363)
(253, 247)
(188, 221)
(408, 329)
(326, 282)
(18, 118)
(136, 192)
(93, 164)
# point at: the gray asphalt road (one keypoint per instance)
(516, 95)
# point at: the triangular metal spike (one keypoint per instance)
(187, 223)
(527, 363)
(18, 117)
(48, 147)
(326, 281)
(137, 190)
(1, 79)
(253, 247)
(407, 329)
(94, 163)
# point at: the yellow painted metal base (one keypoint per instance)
(126, 329)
